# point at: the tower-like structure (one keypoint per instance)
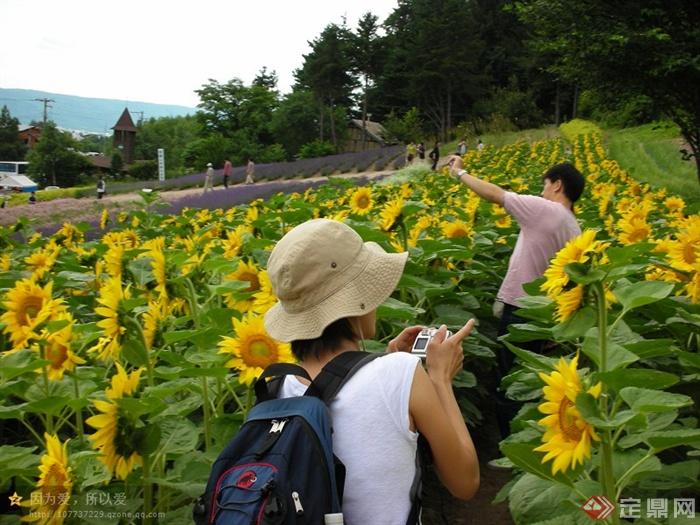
(124, 137)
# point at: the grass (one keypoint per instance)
(650, 153)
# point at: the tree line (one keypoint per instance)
(442, 69)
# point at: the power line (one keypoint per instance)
(46, 105)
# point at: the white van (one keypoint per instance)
(12, 176)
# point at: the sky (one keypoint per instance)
(161, 51)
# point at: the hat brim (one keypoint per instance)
(361, 295)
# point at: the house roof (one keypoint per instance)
(374, 129)
(125, 123)
(100, 161)
(21, 181)
(22, 128)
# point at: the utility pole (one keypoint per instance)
(46, 105)
(140, 113)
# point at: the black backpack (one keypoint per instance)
(280, 467)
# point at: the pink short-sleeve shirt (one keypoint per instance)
(545, 227)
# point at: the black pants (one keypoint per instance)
(508, 408)
(225, 181)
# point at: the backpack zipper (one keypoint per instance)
(297, 503)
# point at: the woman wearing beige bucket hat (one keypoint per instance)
(329, 284)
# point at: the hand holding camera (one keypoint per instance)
(420, 345)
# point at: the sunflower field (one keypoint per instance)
(128, 353)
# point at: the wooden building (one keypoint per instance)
(375, 136)
(29, 135)
(124, 137)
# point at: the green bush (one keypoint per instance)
(317, 148)
(576, 127)
(144, 169)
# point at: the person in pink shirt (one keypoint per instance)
(547, 222)
(227, 172)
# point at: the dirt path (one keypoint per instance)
(89, 209)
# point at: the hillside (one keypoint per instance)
(96, 115)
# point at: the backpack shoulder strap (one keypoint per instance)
(337, 372)
(265, 390)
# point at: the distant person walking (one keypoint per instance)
(227, 172)
(435, 155)
(208, 178)
(32, 198)
(479, 145)
(101, 188)
(421, 151)
(410, 153)
(250, 172)
(461, 148)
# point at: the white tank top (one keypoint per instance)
(372, 437)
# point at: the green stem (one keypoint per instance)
(606, 456)
(620, 485)
(248, 402)
(147, 489)
(49, 418)
(235, 396)
(192, 300)
(78, 411)
(207, 414)
(38, 438)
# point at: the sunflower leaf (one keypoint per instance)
(642, 293)
(644, 400)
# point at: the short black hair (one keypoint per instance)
(332, 337)
(570, 177)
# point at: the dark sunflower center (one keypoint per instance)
(29, 309)
(259, 352)
(253, 280)
(567, 424)
(56, 353)
(54, 491)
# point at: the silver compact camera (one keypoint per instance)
(420, 345)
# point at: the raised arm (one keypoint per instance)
(436, 414)
(483, 189)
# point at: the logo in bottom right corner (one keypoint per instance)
(598, 507)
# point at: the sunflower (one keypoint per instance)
(111, 296)
(455, 229)
(42, 260)
(391, 214)
(234, 241)
(5, 262)
(69, 235)
(361, 201)
(152, 321)
(57, 350)
(674, 204)
(28, 306)
(116, 436)
(244, 272)
(265, 298)
(577, 250)
(684, 252)
(104, 219)
(633, 229)
(253, 349)
(49, 502)
(568, 302)
(504, 221)
(113, 260)
(567, 438)
(155, 251)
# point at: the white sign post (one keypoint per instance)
(161, 164)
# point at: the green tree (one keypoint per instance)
(54, 161)
(173, 134)
(366, 58)
(326, 73)
(11, 145)
(635, 48)
(408, 128)
(433, 53)
(295, 122)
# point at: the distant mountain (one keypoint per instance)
(95, 115)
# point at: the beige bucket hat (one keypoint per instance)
(322, 271)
